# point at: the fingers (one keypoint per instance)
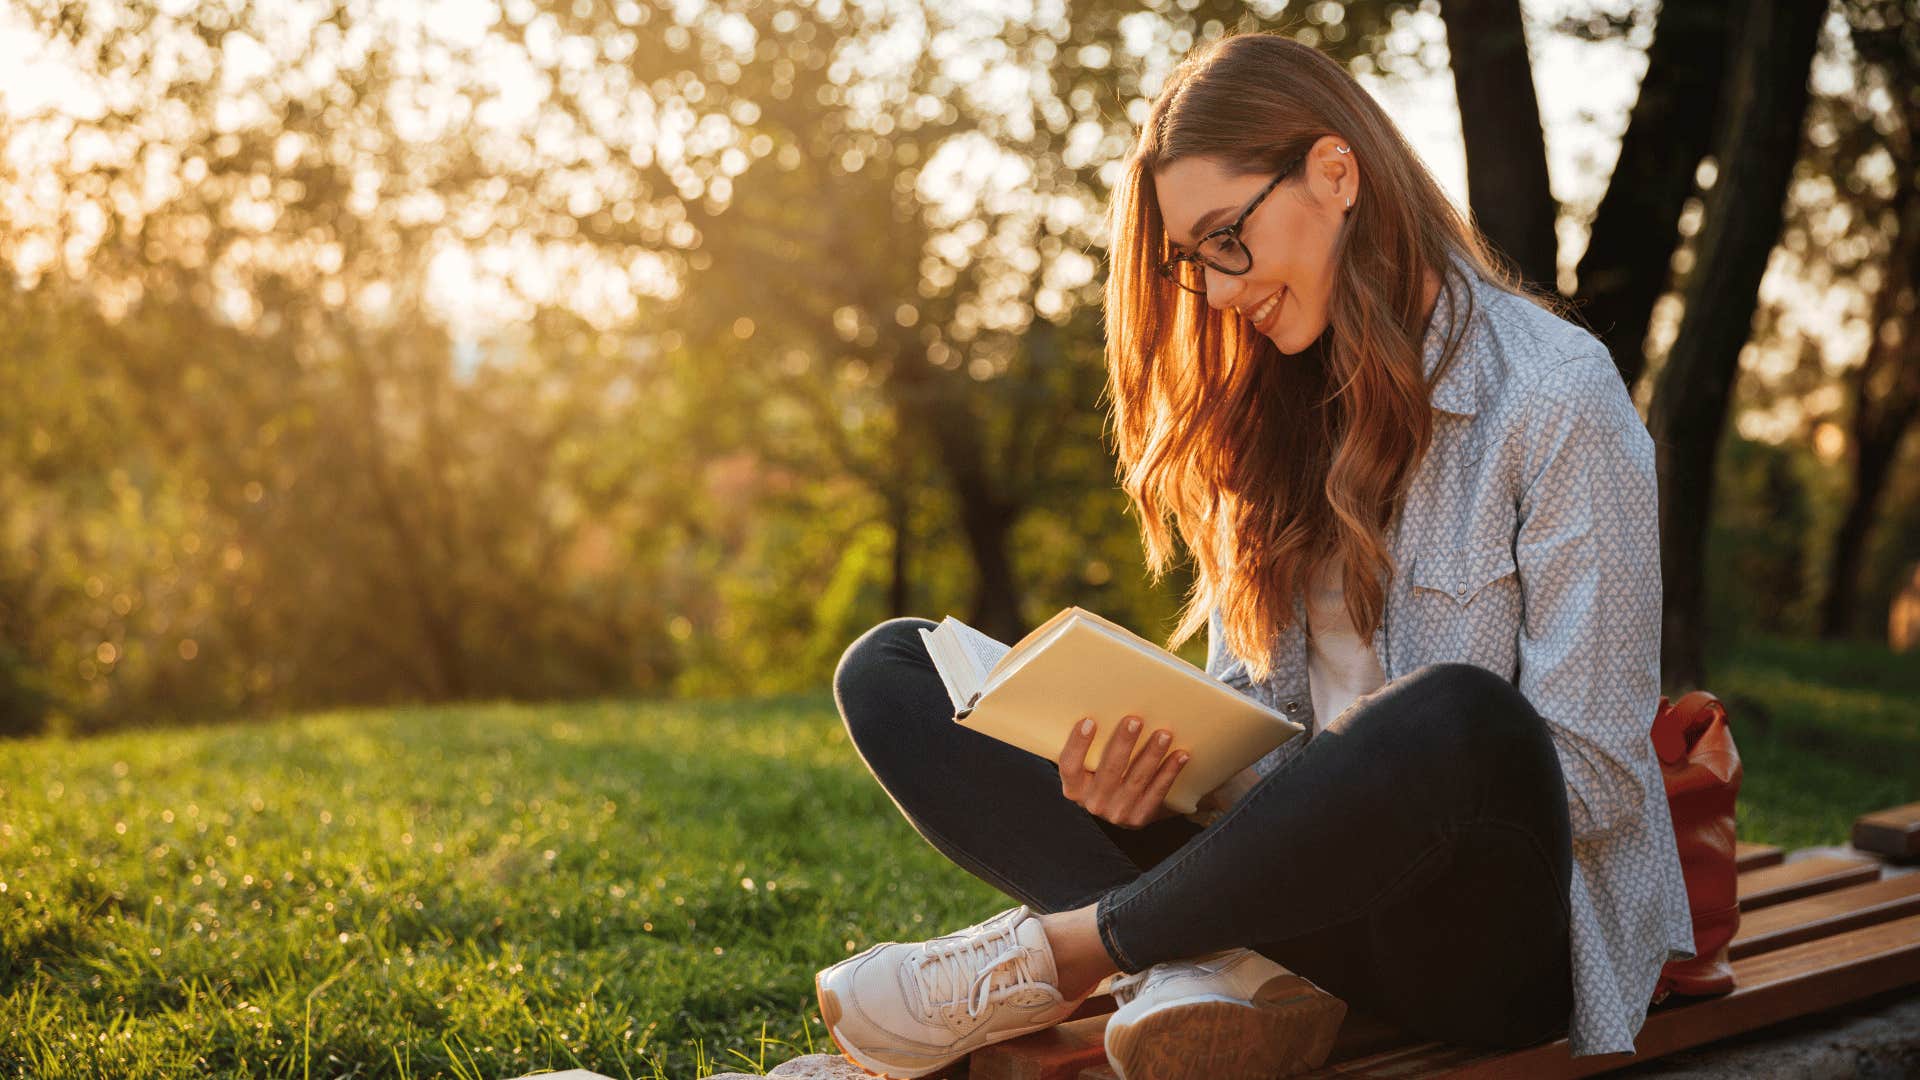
(1111, 773)
(1149, 804)
(1150, 758)
(1123, 787)
(1073, 759)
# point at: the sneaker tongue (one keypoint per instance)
(1039, 956)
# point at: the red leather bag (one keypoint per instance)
(1701, 769)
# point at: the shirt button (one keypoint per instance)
(1293, 706)
(1461, 592)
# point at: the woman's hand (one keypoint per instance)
(1125, 788)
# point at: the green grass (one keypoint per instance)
(1826, 732)
(640, 889)
(643, 889)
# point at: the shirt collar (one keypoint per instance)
(1459, 391)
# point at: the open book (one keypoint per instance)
(1078, 664)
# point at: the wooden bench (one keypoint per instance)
(1893, 833)
(1817, 931)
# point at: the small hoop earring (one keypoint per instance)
(1343, 149)
(1349, 202)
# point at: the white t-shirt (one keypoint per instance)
(1340, 666)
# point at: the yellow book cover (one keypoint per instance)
(1078, 664)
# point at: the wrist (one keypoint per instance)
(1237, 787)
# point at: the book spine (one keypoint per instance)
(963, 713)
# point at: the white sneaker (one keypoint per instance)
(906, 1010)
(1230, 1015)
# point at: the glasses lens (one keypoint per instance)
(1228, 253)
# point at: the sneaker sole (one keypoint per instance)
(1288, 1028)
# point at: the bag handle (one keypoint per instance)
(1678, 726)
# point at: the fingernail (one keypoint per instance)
(1086, 726)
(1183, 759)
(1133, 724)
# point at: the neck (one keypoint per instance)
(1429, 296)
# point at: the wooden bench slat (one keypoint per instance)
(1804, 877)
(1754, 856)
(1825, 914)
(1058, 1053)
(1097, 1005)
(1363, 1034)
(1794, 981)
(1893, 832)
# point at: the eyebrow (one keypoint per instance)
(1206, 223)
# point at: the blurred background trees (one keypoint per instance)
(362, 353)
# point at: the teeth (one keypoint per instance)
(1260, 313)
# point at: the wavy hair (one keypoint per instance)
(1267, 465)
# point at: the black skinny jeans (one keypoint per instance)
(1412, 859)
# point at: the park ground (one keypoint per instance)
(643, 888)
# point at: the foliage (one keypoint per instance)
(1763, 522)
(564, 350)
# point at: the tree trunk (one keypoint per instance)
(1870, 468)
(1766, 101)
(1886, 399)
(1507, 187)
(899, 594)
(986, 513)
(1625, 267)
(996, 597)
(445, 674)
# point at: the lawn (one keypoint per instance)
(639, 888)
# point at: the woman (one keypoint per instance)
(1421, 509)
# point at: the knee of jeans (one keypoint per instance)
(868, 656)
(1486, 702)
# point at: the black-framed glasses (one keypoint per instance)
(1221, 248)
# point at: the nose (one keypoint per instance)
(1222, 288)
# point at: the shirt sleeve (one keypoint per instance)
(1588, 554)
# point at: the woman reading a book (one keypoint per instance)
(1421, 509)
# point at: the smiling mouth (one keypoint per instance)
(1260, 316)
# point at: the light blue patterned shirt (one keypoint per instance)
(1529, 544)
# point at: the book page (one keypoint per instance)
(983, 650)
(940, 664)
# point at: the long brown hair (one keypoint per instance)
(1269, 464)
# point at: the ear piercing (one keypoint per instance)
(1344, 150)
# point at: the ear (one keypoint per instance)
(1333, 176)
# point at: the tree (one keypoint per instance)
(1754, 121)
(1755, 150)
(943, 336)
(1500, 122)
(1631, 241)
(1884, 390)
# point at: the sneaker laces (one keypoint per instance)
(1125, 988)
(942, 970)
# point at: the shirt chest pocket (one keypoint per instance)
(1461, 574)
(1464, 605)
